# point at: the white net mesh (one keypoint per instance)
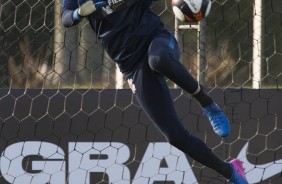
(47, 130)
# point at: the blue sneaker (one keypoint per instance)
(238, 176)
(217, 119)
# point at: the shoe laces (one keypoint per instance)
(213, 113)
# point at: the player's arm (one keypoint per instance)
(74, 11)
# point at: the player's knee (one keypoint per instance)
(154, 62)
(158, 61)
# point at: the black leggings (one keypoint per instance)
(153, 94)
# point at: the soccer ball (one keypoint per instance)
(191, 10)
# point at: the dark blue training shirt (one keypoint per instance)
(124, 30)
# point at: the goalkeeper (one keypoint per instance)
(146, 53)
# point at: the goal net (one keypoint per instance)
(67, 114)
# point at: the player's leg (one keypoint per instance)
(153, 95)
(164, 59)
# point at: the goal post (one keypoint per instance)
(201, 59)
(257, 45)
(201, 45)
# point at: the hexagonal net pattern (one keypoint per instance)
(60, 91)
(38, 52)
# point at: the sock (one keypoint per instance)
(203, 98)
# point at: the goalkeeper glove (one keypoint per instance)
(86, 7)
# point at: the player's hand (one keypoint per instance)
(86, 7)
